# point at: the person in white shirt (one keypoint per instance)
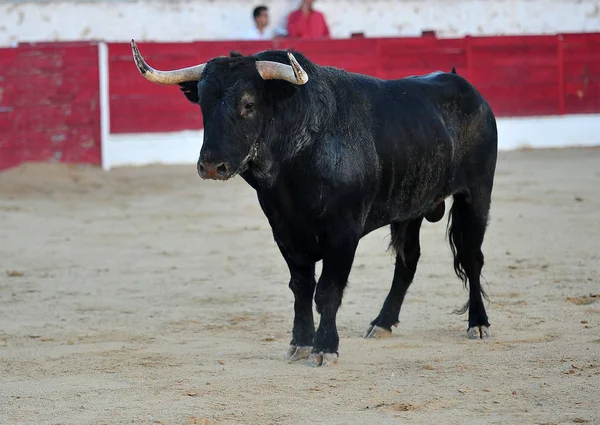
(261, 22)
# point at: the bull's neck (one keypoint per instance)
(275, 154)
(263, 170)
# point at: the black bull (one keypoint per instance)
(334, 155)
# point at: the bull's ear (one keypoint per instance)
(190, 90)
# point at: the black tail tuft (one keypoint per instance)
(455, 238)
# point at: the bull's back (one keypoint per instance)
(435, 134)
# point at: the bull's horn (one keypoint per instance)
(192, 73)
(278, 71)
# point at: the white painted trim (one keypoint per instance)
(183, 147)
(559, 131)
(104, 105)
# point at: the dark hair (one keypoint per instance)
(258, 10)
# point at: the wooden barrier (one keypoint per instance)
(49, 93)
(49, 105)
(519, 75)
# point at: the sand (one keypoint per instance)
(148, 296)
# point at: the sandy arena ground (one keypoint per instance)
(149, 296)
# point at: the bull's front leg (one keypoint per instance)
(337, 264)
(302, 284)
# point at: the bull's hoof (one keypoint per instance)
(479, 332)
(323, 359)
(295, 353)
(377, 332)
(374, 331)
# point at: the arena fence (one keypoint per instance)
(85, 102)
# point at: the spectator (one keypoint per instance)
(306, 22)
(261, 22)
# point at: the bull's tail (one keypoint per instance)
(453, 69)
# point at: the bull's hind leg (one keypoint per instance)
(467, 225)
(302, 284)
(405, 242)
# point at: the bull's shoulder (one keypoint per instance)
(450, 95)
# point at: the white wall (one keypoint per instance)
(187, 20)
(183, 147)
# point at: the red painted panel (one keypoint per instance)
(51, 116)
(581, 72)
(509, 76)
(429, 61)
(69, 145)
(515, 56)
(515, 101)
(513, 40)
(519, 75)
(156, 114)
(580, 98)
(560, 65)
(49, 104)
(58, 87)
(137, 105)
(356, 46)
(57, 139)
(388, 73)
(125, 81)
(588, 37)
(413, 56)
(581, 53)
(7, 58)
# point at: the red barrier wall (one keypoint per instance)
(580, 54)
(49, 104)
(49, 93)
(520, 75)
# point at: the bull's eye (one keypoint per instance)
(248, 106)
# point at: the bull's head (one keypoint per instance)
(235, 102)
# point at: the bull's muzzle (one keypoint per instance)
(209, 171)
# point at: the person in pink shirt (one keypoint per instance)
(306, 22)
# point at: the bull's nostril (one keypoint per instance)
(222, 169)
(201, 169)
